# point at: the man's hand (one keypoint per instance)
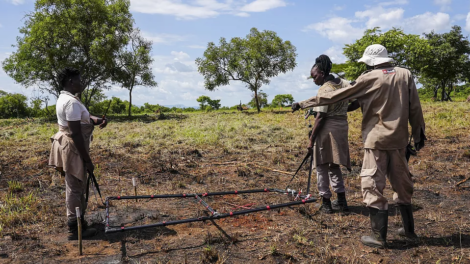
(89, 167)
(419, 145)
(310, 147)
(104, 122)
(295, 106)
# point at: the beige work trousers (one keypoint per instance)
(75, 191)
(381, 164)
(329, 173)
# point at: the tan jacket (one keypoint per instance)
(64, 155)
(388, 99)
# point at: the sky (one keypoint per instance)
(181, 29)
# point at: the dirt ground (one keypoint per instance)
(224, 152)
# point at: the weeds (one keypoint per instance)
(18, 210)
(15, 187)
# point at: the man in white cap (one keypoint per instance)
(388, 99)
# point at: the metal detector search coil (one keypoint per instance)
(197, 197)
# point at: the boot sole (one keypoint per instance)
(373, 245)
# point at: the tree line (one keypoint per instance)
(101, 40)
(440, 62)
(15, 105)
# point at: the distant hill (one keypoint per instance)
(181, 106)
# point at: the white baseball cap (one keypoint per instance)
(374, 55)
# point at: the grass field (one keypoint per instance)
(216, 151)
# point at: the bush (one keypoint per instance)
(13, 105)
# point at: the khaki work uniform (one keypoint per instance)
(65, 158)
(331, 144)
(388, 99)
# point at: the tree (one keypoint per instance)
(13, 105)
(261, 102)
(282, 100)
(448, 61)
(83, 34)
(339, 69)
(215, 104)
(203, 100)
(407, 50)
(134, 65)
(252, 60)
(117, 106)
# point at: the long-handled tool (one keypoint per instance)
(301, 164)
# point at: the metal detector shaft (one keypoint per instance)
(200, 201)
(218, 216)
(310, 174)
(301, 164)
(184, 195)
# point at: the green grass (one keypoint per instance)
(16, 210)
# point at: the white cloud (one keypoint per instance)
(381, 17)
(459, 17)
(397, 2)
(262, 5)
(196, 46)
(428, 22)
(445, 4)
(337, 29)
(17, 2)
(467, 26)
(242, 14)
(180, 67)
(339, 7)
(336, 54)
(163, 38)
(180, 55)
(203, 8)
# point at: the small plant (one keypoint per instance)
(273, 250)
(15, 186)
(301, 240)
(210, 254)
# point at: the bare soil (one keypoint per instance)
(299, 234)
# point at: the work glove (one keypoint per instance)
(295, 106)
(419, 145)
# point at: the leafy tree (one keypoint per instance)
(408, 51)
(261, 102)
(203, 100)
(252, 60)
(13, 105)
(448, 61)
(117, 106)
(339, 69)
(282, 100)
(215, 104)
(134, 65)
(83, 34)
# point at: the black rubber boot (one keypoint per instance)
(408, 229)
(379, 224)
(86, 230)
(341, 204)
(326, 206)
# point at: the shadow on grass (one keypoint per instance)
(393, 210)
(146, 118)
(454, 241)
(142, 234)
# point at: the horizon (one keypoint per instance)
(180, 31)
